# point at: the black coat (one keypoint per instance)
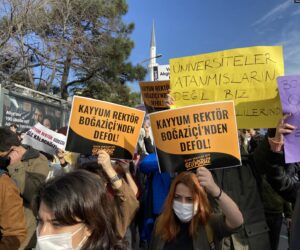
(283, 177)
(295, 232)
(240, 184)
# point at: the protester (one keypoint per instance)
(75, 212)
(122, 168)
(154, 194)
(186, 221)
(122, 193)
(277, 175)
(145, 141)
(62, 161)
(12, 219)
(269, 160)
(240, 184)
(249, 140)
(58, 165)
(29, 169)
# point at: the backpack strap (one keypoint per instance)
(210, 236)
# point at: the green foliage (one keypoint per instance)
(77, 45)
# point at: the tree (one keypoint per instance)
(78, 45)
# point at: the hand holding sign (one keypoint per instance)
(283, 128)
(169, 101)
(104, 160)
(206, 180)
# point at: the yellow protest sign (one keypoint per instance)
(245, 75)
(154, 95)
(196, 136)
(97, 125)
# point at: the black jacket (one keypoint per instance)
(283, 177)
(240, 184)
(295, 232)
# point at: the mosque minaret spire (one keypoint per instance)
(153, 55)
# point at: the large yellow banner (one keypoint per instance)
(245, 75)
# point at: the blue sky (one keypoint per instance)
(194, 27)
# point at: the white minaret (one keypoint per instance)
(153, 55)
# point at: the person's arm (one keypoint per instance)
(129, 179)
(66, 166)
(278, 173)
(127, 204)
(104, 160)
(233, 215)
(283, 128)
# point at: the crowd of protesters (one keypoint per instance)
(72, 201)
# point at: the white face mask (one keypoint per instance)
(184, 211)
(61, 241)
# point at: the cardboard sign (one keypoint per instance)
(245, 75)
(44, 139)
(289, 90)
(196, 136)
(154, 95)
(97, 125)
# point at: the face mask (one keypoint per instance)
(61, 241)
(183, 211)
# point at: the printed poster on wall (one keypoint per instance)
(97, 125)
(154, 95)
(44, 139)
(25, 113)
(289, 90)
(245, 75)
(203, 135)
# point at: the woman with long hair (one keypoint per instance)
(74, 211)
(187, 221)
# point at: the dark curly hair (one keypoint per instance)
(81, 195)
(8, 139)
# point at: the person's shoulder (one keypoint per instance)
(6, 182)
(30, 153)
(4, 178)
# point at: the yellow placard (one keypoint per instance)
(245, 75)
(154, 95)
(196, 136)
(96, 125)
